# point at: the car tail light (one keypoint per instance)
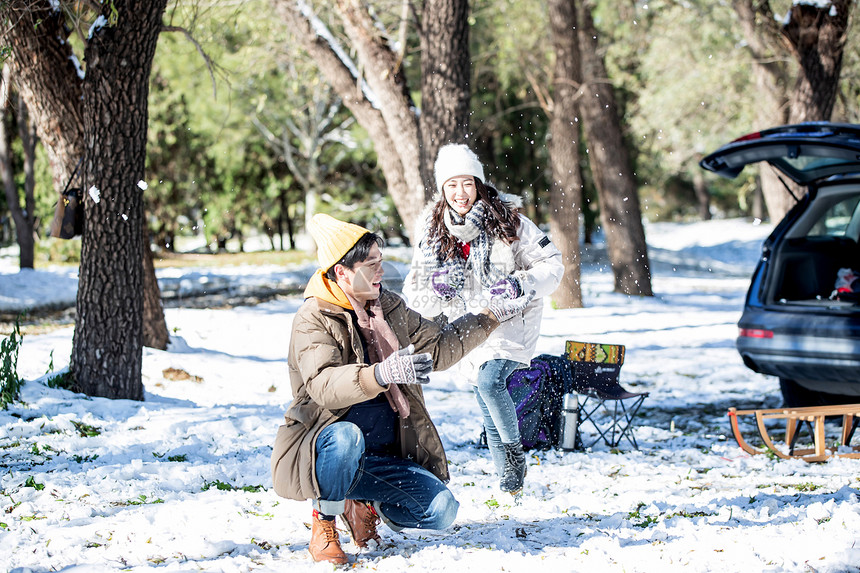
(748, 137)
(756, 333)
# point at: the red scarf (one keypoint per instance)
(465, 248)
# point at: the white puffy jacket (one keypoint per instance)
(533, 259)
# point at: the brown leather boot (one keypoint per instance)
(325, 542)
(361, 520)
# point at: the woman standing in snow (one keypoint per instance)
(474, 247)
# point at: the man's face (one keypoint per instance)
(362, 282)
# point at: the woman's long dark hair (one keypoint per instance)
(502, 222)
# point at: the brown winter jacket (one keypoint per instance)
(328, 375)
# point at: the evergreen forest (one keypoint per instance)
(245, 135)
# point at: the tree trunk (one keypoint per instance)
(700, 188)
(53, 90)
(758, 207)
(816, 35)
(279, 228)
(777, 199)
(761, 32)
(24, 217)
(285, 213)
(388, 83)
(390, 120)
(106, 353)
(26, 225)
(620, 213)
(445, 80)
(7, 159)
(46, 77)
(155, 333)
(566, 192)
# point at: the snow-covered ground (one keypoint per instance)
(180, 481)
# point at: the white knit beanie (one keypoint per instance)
(456, 159)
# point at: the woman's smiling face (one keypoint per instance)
(460, 193)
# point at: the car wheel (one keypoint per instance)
(795, 396)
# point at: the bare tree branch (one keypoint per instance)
(210, 65)
(343, 76)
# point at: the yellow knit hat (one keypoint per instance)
(334, 238)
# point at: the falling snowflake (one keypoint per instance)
(142, 184)
(94, 193)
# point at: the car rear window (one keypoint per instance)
(836, 221)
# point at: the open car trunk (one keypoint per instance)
(804, 272)
(820, 235)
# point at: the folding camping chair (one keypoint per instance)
(604, 405)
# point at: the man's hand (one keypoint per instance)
(404, 367)
(507, 308)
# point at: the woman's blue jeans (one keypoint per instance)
(403, 493)
(500, 413)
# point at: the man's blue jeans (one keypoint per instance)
(500, 413)
(403, 493)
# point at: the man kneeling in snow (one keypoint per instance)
(357, 439)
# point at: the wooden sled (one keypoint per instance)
(814, 417)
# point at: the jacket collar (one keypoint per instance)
(387, 299)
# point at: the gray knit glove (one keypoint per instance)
(403, 367)
(507, 308)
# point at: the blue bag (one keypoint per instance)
(537, 392)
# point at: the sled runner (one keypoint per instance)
(813, 417)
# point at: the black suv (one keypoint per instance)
(795, 324)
